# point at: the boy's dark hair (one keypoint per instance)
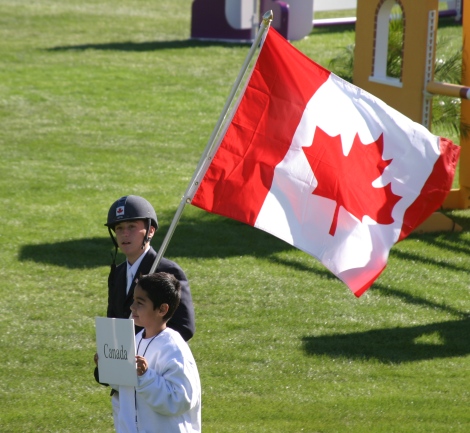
(162, 288)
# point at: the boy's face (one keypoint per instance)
(143, 311)
(130, 236)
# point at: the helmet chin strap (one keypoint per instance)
(146, 237)
(115, 247)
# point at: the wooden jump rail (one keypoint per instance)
(445, 89)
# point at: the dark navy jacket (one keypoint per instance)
(119, 304)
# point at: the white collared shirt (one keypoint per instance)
(132, 269)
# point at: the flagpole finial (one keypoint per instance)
(268, 17)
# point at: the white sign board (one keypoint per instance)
(115, 345)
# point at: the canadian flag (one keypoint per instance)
(325, 166)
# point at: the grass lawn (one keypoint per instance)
(99, 99)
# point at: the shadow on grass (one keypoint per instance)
(147, 46)
(209, 236)
(440, 261)
(453, 242)
(73, 254)
(191, 43)
(410, 299)
(396, 345)
(203, 237)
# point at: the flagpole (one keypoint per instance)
(264, 26)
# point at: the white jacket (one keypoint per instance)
(167, 398)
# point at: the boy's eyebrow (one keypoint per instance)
(140, 298)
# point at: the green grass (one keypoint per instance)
(104, 98)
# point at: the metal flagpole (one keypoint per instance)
(206, 156)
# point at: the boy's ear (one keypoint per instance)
(164, 309)
(151, 232)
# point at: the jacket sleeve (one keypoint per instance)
(112, 272)
(183, 319)
(117, 298)
(96, 373)
(171, 393)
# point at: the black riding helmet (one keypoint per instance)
(130, 208)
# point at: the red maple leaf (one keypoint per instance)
(348, 179)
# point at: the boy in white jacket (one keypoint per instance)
(167, 398)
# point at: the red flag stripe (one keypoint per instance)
(243, 169)
(435, 190)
